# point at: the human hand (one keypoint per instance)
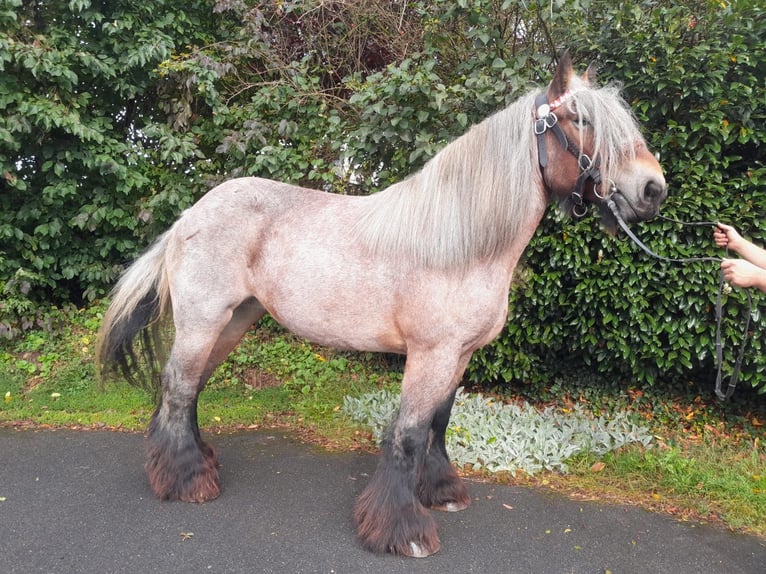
(726, 236)
(741, 273)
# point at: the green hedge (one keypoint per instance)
(118, 117)
(693, 73)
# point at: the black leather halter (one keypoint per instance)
(546, 119)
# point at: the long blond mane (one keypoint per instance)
(467, 202)
(470, 201)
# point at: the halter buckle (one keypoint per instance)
(585, 162)
(546, 122)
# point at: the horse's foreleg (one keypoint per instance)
(439, 486)
(389, 514)
(180, 465)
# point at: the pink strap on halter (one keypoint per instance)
(562, 98)
(545, 109)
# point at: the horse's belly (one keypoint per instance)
(339, 305)
(341, 330)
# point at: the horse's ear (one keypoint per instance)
(589, 75)
(562, 77)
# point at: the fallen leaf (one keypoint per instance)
(186, 535)
(755, 421)
(507, 506)
(598, 467)
(3, 499)
(217, 419)
(8, 397)
(55, 395)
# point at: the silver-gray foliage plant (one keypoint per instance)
(510, 437)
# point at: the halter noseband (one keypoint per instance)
(546, 119)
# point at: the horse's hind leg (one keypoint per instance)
(180, 465)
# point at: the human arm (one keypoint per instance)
(727, 236)
(742, 273)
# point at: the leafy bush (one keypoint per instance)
(118, 117)
(84, 155)
(691, 73)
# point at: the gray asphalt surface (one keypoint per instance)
(78, 502)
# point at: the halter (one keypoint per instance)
(546, 119)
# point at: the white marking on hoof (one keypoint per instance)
(417, 551)
(451, 507)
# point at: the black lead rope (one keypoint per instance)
(722, 395)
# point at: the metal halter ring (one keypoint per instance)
(579, 210)
(608, 194)
(579, 207)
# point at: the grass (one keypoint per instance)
(708, 461)
(271, 379)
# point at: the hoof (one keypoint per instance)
(452, 506)
(445, 492)
(407, 530)
(203, 489)
(189, 476)
(420, 551)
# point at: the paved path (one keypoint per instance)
(78, 503)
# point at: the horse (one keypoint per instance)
(422, 268)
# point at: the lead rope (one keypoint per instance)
(722, 395)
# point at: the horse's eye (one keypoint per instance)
(582, 122)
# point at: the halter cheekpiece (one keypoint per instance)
(546, 119)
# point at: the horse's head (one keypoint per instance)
(590, 148)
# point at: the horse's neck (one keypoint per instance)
(510, 257)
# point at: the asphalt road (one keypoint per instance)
(78, 502)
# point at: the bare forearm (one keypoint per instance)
(754, 254)
(727, 237)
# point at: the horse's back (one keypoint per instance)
(243, 198)
(293, 250)
(239, 215)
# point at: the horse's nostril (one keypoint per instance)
(654, 191)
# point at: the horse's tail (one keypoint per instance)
(139, 303)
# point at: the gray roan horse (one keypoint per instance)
(422, 268)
